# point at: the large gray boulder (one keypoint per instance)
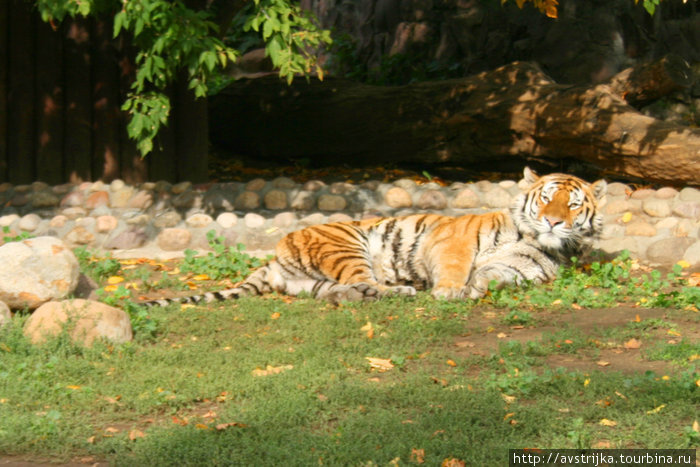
(36, 270)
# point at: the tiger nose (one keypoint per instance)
(553, 221)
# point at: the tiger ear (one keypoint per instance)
(529, 176)
(599, 189)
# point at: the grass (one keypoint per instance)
(280, 381)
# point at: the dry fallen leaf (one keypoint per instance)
(223, 426)
(452, 462)
(501, 335)
(696, 426)
(508, 399)
(656, 409)
(369, 329)
(111, 429)
(275, 315)
(606, 422)
(465, 344)
(451, 362)
(632, 344)
(380, 364)
(115, 280)
(417, 455)
(271, 370)
(626, 217)
(134, 434)
(602, 363)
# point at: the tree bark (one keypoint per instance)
(515, 112)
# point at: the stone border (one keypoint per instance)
(160, 220)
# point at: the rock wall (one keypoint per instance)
(589, 42)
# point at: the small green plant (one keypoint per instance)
(223, 262)
(13, 238)
(94, 267)
(143, 323)
(518, 317)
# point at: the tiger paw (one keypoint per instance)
(350, 293)
(450, 293)
(406, 290)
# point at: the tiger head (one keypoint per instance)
(559, 210)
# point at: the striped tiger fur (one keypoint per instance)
(457, 257)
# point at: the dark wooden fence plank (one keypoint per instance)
(4, 63)
(49, 104)
(78, 114)
(20, 109)
(192, 134)
(105, 98)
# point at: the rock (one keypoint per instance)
(58, 221)
(668, 250)
(167, 219)
(88, 321)
(341, 188)
(217, 200)
(74, 212)
(465, 199)
(339, 217)
(644, 193)
(640, 228)
(667, 223)
(397, 197)
(275, 200)
(484, 186)
(497, 197)
(105, 224)
(97, 198)
(35, 271)
(656, 207)
(313, 185)
(692, 254)
(72, 199)
(303, 201)
(181, 187)
(121, 197)
(612, 231)
(331, 203)
(283, 183)
(690, 194)
(173, 239)
(6, 221)
(284, 220)
(117, 185)
(227, 219)
(141, 200)
(29, 223)
(246, 201)
(312, 219)
(688, 209)
(431, 199)
(5, 315)
(406, 183)
(79, 236)
(126, 239)
(187, 200)
(666, 193)
(255, 185)
(45, 199)
(617, 206)
(199, 220)
(253, 221)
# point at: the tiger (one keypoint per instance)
(555, 218)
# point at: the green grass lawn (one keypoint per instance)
(280, 381)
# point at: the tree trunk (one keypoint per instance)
(513, 113)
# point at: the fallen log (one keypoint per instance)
(515, 112)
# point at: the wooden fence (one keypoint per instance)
(61, 87)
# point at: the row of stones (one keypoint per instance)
(279, 194)
(117, 216)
